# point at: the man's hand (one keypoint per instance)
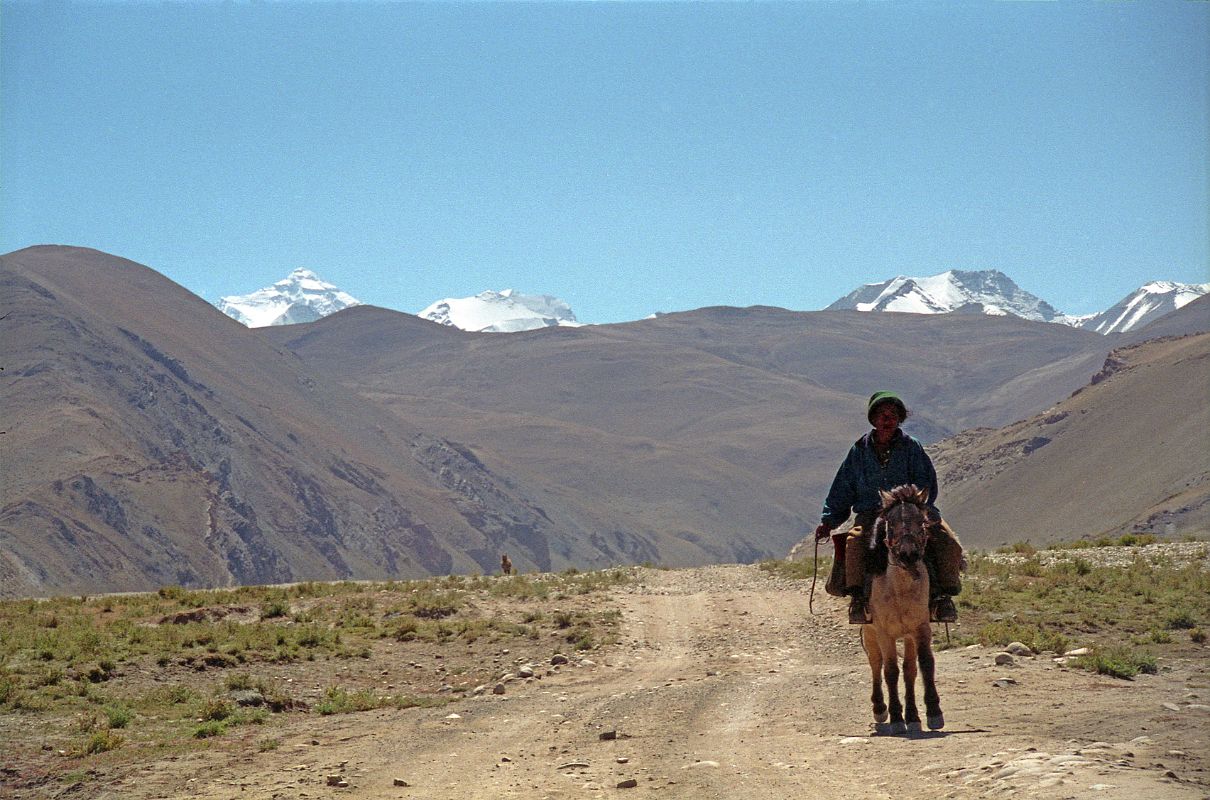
(822, 532)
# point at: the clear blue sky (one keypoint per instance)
(625, 157)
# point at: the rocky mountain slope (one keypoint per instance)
(1130, 452)
(151, 441)
(708, 435)
(155, 441)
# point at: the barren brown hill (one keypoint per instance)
(703, 436)
(1128, 453)
(150, 440)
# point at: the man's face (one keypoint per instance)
(886, 418)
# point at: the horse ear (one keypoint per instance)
(887, 498)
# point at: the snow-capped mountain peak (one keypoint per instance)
(299, 297)
(955, 291)
(993, 292)
(1143, 306)
(507, 311)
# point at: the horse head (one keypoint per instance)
(902, 524)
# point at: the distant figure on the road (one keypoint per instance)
(880, 460)
(506, 565)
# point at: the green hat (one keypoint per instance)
(878, 398)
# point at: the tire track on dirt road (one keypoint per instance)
(723, 685)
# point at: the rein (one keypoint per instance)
(814, 575)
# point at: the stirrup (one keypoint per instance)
(859, 612)
(942, 609)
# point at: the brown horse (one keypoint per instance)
(899, 609)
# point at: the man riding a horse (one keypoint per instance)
(879, 461)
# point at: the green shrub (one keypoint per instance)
(102, 742)
(337, 700)
(118, 716)
(9, 688)
(209, 729)
(216, 709)
(1038, 639)
(1118, 662)
(1180, 619)
(435, 605)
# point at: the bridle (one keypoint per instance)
(892, 537)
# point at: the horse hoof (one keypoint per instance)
(936, 723)
(898, 728)
(881, 717)
(913, 727)
(882, 729)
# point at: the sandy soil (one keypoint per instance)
(725, 686)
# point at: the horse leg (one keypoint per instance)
(928, 670)
(910, 714)
(890, 671)
(875, 657)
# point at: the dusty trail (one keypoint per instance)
(724, 686)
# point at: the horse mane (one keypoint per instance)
(907, 493)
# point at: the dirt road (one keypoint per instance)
(724, 686)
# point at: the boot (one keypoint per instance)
(942, 609)
(858, 613)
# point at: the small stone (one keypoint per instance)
(1172, 706)
(401, 782)
(622, 760)
(700, 765)
(608, 735)
(334, 780)
(525, 672)
(1019, 649)
(559, 658)
(1079, 651)
(629, 783)
(498, 688)
(1004, 659)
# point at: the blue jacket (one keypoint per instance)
(855, 487)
